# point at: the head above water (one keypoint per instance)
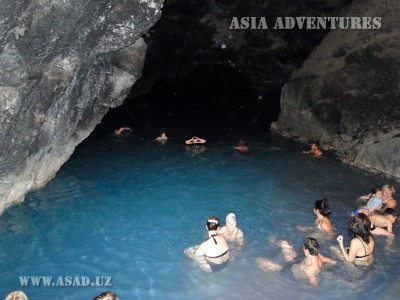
(311, 245)
(390, 212)
(323, 207)
(360, 225)
(388, 189)
(109, 295)
(212, 223)
(374, 202)
(231, 217)
(17, 295)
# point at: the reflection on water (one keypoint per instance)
(128, 207)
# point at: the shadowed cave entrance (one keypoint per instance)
(200, 76)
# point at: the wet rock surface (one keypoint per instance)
(346, 95)
(63, 64)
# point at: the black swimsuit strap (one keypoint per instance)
(213, 236)
(365, 250)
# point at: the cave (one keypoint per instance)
(201, 76)
(76, 199)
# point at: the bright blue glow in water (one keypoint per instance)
(127, 208)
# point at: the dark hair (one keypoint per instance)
(323, 207)
(106, 295)
(390, 211)
(360, 225)
(311, 245)
(375, 190)
(213, 223)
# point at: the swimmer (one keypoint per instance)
(384, 221)
(323, 213)
(230, 231)
(362, 243)
(106, 296)
(195, 141)
(374, 204)
(241, 146)
(214, 250)
(162, 138)
(387, 196)
(314, 150)
(309, 267)
(17, 295)
(122, 131)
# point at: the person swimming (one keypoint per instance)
(230, 231)
(374, 204)
(362, 243)
(323, 213)
(162, 139)
(241, 146)
(195, 141)
(308, 268)
(122, 131)
(214, 250)
(315, 150)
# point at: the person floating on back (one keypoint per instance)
(195, 141)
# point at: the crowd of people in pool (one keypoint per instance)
(375, 216)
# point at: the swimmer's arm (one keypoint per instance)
(327, 259)
(365, 197)
(190, 252)
(201, 250)
(351, 255)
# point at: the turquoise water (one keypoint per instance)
(126, 208)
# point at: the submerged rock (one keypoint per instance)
(63, 64)
(346, 95)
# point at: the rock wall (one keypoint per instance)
(346, 95)
(63, 64)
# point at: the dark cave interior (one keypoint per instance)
(199, 75)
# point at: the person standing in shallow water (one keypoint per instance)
(314, 150)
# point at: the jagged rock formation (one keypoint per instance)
(346, 95)
(62, 65)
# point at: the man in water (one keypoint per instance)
(309, 267)
(122, 131)
(314, 150)
(194, 141)
(162, 139)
